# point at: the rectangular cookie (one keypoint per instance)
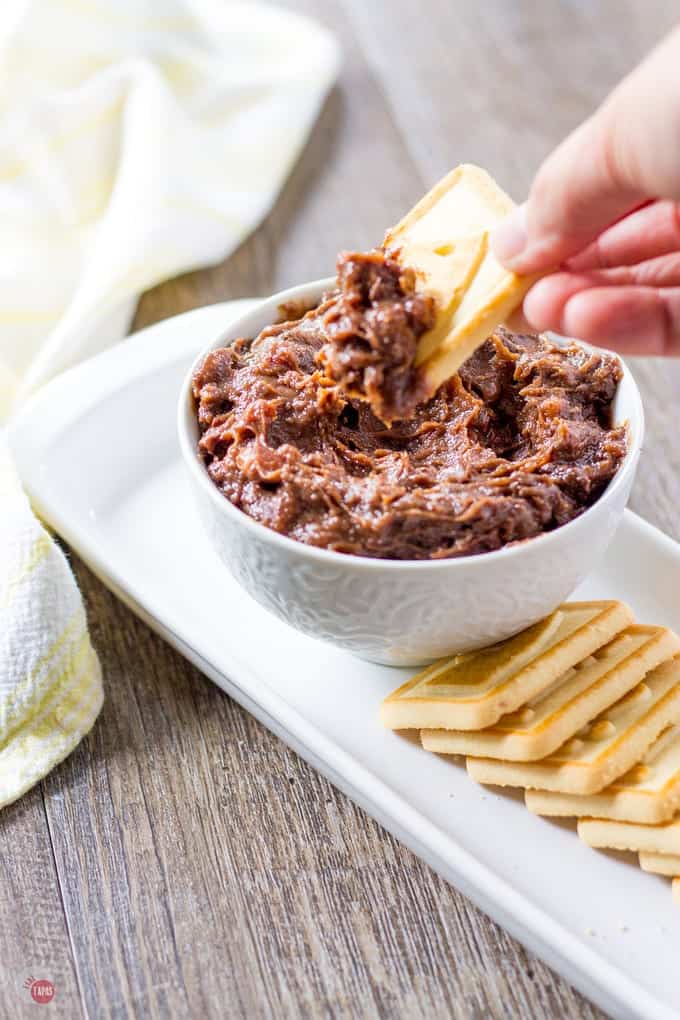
(605, 749)
(660, 864)
(474, 689)
(445, 238)
(611, 835)
(547, 720)
(648, 793)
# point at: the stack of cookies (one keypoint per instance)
(582, 710)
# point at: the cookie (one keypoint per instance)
(546, 721)
(473, 690)
(605, 749)
(648, 793)
(445, 238)
(660, 864)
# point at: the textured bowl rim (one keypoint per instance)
(311, 292)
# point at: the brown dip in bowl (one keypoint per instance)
(298, 428)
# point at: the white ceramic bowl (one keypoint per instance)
(403, 612)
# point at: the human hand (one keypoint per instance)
(604, 213)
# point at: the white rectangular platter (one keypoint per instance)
(98, 454)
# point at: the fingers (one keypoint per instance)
(648, 232)
(623, 156)
(575, 195)
(555, 289)
(631, 319)
(545, 303)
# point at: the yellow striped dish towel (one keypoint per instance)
(138, 139)
(50, 680)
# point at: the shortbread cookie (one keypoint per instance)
(474, 689)
(445, 238)
(648, 793)
(605, 749)
(660, 864)
(658, 839)
(546, 721)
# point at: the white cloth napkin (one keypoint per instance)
(138, 139)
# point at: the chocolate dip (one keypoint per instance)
(317, 428)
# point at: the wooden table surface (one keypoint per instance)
(183, 862)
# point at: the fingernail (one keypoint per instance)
(509, 239)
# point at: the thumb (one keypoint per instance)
(622, 156)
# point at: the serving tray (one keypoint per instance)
(97, 452)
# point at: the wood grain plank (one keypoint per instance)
(34, 938)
